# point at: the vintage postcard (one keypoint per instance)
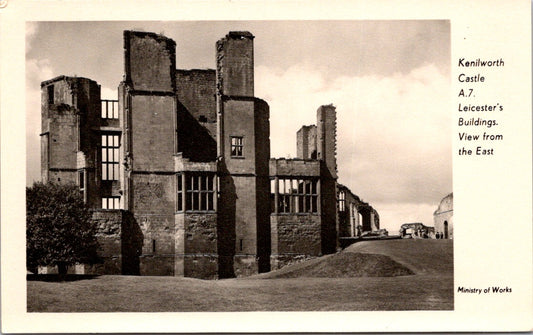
(202, 167)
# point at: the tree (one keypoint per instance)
(59, 227)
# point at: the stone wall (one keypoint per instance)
(306, 142)
(154, 207)
(70, 111)
(109, 236)
(196, 90)
(120, 242)
(443, 217)
(150, 118)
(201, 259)
(262, 183)
(150, 61)
(358, 216)
(183, 120)
(294, 167)
(243, 178)
(327, 138)
(294, 237)
(60, 133)
(153, 132)
(197, 117)
(196, 245)
(235, 65)
(239, 121)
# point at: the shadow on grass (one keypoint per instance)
(58, 278)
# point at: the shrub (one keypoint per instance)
(59, 227)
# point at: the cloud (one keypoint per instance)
(31, 31)
(392, 216)
(36, 72)
(394, 126)
(108, 93)
(394, 132)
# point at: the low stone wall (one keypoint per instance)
(120, 243)
(196, 245)
(109, 223)
(156, 265)
(295, 237)
(245, 265)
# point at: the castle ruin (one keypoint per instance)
(178, 169)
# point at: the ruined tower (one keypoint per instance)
(306, 142)
(147, 100)
(70, 116)
(244, 151)
(327, 138)
(327, 154)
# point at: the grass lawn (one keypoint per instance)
(430, 288)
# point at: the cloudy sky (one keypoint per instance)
(390, 82)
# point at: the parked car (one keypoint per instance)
(414, 230)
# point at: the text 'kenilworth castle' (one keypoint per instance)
(179, 173)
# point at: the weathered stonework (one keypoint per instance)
(294, 237)
(306, 142)
(200, 256)
(443, 217)
(355, 215)
(193, 190)
(294, 167)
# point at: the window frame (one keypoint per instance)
(110, 168)
(51, 96)
(237, 146)
(342, 201)
(106, 111)
(112, 202)
(297, 195)
(196, 192)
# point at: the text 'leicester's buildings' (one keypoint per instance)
(179, 173)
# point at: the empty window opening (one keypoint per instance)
(111, 203)
(236, 146)
(342, 201)
(153, 246)
(50, 94)
(202, 118)
(199, 191)
(109, 109)
(110, 157)
(240, 244)
(81, 182)
(180, 193)
(296, 195)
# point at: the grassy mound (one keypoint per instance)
(423, 256)
(344, 264)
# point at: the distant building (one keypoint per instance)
(355, 216)
(443, 217)
(179, 173)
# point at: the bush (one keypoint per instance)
(59, 227)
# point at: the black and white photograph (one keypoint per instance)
(242, 167)
(271, 161)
